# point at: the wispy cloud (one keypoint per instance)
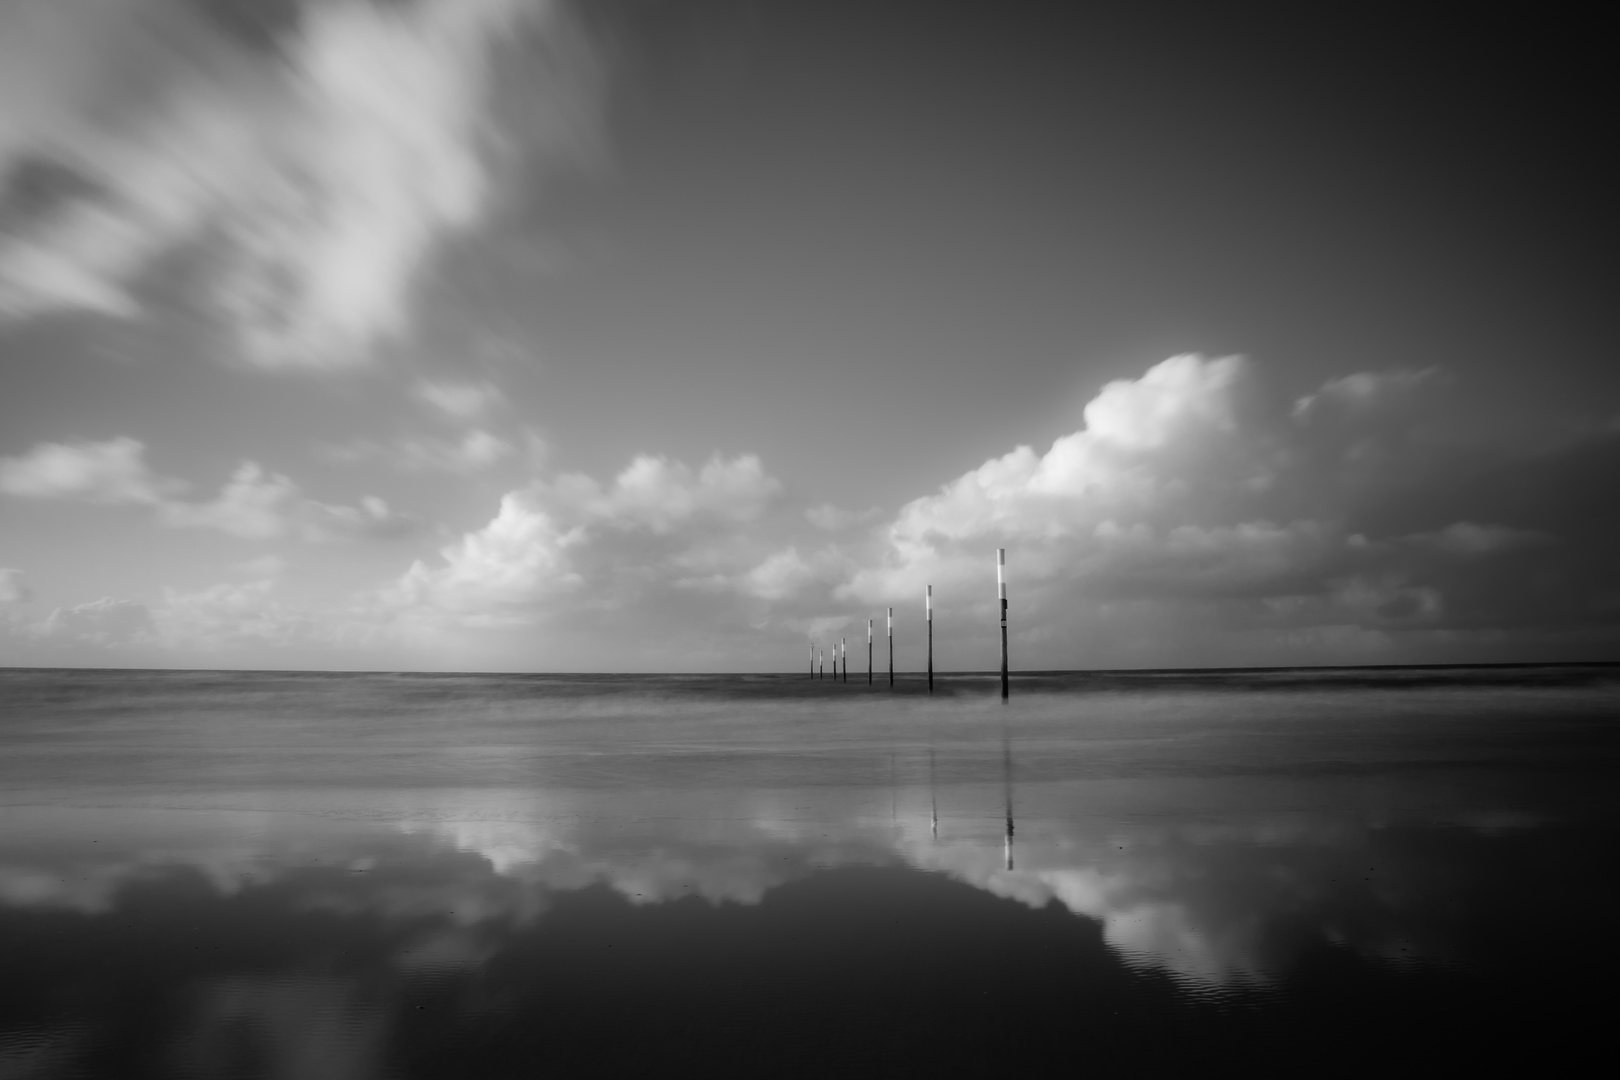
(14, 587)
(111, 472)
(459, 400)
(254, 503)
(471, 452)
(318, 173)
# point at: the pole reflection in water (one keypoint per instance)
(1007, 790)
(933, 794)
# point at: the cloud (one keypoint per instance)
(1193, 518)
(14, 587)
(472, 408)
(249, 617)
(1363, 393)
(254, 504)
(1467, 538)
(464, 401)
(111, 472)
(831, 518)
(660, 524)
(260, 505)
(784, 573)
(1190, 512)
(320, 164)
(264, 566)
(1131, 493)
(472, 452)
(104, 622)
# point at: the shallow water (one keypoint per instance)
(337, 875)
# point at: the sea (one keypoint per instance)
(315, 876)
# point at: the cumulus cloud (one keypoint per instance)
(1191, 508)
(1194, 517)
(660, 523)
(319, 161)
(254, 504)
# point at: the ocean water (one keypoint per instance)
(1305, 872)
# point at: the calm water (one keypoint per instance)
(321, 876)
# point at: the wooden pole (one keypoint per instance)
(1001, 594)
(928, 610)
(868, 652)
(891, 648)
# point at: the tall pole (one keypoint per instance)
(812, 659)
(843, 647)
(821, 664)
(928, 610)
(868, 652)
(891, 648)
(1001, 594)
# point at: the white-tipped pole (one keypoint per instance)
(868, 652)
(928, 612)
(821, 663)
(843, 647)
(1001, 595)
(812, 659)
(891, 648)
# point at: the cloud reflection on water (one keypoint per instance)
(1216, 898)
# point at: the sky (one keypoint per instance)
(674, 336)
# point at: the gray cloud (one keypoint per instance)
(14, 587)
(254, 504)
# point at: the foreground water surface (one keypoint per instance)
(230, 874)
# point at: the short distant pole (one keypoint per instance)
(868, 652)
(928, 610)
(891, 648)
(1001, 594)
